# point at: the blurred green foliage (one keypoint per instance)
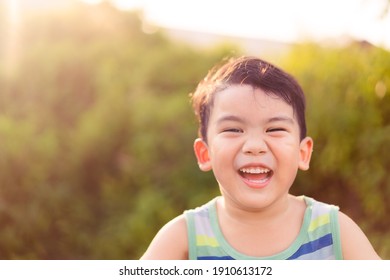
(96, 134)
(348, 116)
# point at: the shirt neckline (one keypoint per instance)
(281, 255)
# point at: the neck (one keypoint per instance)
(252, 217)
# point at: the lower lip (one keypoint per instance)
(257, 184)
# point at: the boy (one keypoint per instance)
(253, 137)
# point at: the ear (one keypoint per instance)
(202, 154)
(305, 151)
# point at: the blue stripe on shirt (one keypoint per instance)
(313, 246)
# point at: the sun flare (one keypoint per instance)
(12, 36)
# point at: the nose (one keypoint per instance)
(254, 145)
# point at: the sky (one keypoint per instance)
(276, 20)
(280, 20)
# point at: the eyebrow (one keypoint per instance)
(241, 120)
(280, 119)
(230, 118)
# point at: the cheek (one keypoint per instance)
(286, 152)
(222, 156)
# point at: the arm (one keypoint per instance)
(355, 245)
(170, 243)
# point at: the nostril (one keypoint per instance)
(255, 149)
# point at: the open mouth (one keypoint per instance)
(256, 175)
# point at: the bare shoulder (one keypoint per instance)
(170, 243)
(354, 243)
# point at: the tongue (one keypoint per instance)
(250, 176)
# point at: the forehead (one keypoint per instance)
(248, 101)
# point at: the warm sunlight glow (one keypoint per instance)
(281, 20)
(92, 2)
(11, 38)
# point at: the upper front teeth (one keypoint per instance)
(255, 170)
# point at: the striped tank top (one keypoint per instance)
(319, 236)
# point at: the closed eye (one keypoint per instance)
(276, 129)
(233, 130)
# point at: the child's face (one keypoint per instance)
(253, 147)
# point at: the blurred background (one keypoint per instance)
(96, 128)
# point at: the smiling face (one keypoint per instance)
(253, 147)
